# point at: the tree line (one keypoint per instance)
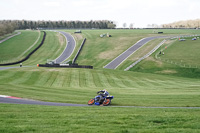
(28, 24)
(7, 27)
(183, 24)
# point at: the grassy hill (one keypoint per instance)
(147, 87)
(100, 51)
(181, 58)
(14, 48)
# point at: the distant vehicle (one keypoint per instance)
(194, 38)
(77, 31)
(181, 39)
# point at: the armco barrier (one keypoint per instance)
(65, 66)
(74, 60)
(145, 56)
(17, 62)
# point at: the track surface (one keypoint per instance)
(4, 68)
(70, 46)
(117, 61)
(17, 100)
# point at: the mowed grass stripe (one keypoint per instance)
(104, 80)
(110, 80)
(146, 94)
(75, 78)
(67, 79)
(127, 81)
(59, 80)
(3, 73)
(51, 79)
(82, 78)
(89, 79)
(34, 76)
(96, 79)
(10, 76)
(15, 77)
(19, 79)
(43, 78)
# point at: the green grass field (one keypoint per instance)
(151, 83)
(29, 118)
(184, 52)
(79, 85)
(181, 58)
(12, 49)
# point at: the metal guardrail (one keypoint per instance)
(145, 56)
(159, 45)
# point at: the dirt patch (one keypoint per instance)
(167, 72)
(169, 41)
(78, 36)
(61, 39)
(158, 62)
(106, 55)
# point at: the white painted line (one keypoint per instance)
(3, 96)
(1, 41)
(31, 45)
(67, 42)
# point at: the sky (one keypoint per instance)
(139, 12)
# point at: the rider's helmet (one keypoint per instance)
(104, 90)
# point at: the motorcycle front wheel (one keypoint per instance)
(106, 102)
(91, 101)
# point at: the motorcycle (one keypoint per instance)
(101, 100)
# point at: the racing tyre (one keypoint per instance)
(91, 102)
(106, 102)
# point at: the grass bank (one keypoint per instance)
(79, 85)
(29, 118)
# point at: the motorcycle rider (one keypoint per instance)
(103, 93)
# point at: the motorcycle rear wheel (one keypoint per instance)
(106, 102)
(91, 102)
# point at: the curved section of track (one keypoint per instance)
(70, 46)
(121, 58)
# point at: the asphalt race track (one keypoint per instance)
(17, 100)
(70, 46)
(117, 61)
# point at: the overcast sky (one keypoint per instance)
(139, 12)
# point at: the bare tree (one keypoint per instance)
(124, 25)
(131, 25)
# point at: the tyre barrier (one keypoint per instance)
(17, 62)
(74, 60)
(64, 66)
